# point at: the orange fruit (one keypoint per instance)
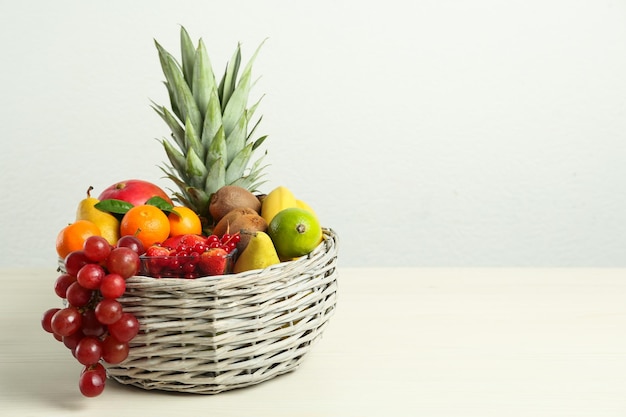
(73, 236)
(186, 222)
(148, 223)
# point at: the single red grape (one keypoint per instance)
(91, 325)
(90, 276)
(66, 321)
(46, 319)
(123, 261)
(113, 286)
(61, 284)
(74, 261)
(97, 367)
(96, 248)
(91, 383)
(126, 328)
(131, 242)
(108, 311)
(88, 350)
(77, 295)
(114, 351)
(72, 340)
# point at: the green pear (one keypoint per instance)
(260, 253)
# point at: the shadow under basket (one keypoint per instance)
(213, 334)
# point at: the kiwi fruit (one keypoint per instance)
(243, 220)
(225, 225)
(230, 197)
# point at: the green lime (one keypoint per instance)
(295, 232)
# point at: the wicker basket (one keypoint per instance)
(214, 334)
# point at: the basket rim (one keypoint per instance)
(329, 241)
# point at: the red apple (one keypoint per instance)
(135, 192)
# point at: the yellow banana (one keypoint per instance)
(278, 199)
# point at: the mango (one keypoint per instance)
(277, 200)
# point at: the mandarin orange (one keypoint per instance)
(73, 236)
(186, 222)
(146, 222)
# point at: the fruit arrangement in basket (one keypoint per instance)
(216, 238)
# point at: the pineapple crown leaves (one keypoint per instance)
(211, 141)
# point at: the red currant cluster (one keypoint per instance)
(227, 242)
(190, 256)
(93, 324)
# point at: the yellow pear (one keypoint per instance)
(109, 224)
(260, 253)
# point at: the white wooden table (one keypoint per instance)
(403, 342)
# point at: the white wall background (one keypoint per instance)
(427, 133)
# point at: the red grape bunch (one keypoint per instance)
(92, 324)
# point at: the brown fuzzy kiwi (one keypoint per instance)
(224, 225)
(231, 197)
(236, 222)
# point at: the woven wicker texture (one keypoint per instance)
(214, 334)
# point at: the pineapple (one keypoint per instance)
(211, 144)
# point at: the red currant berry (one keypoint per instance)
(199, 248)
